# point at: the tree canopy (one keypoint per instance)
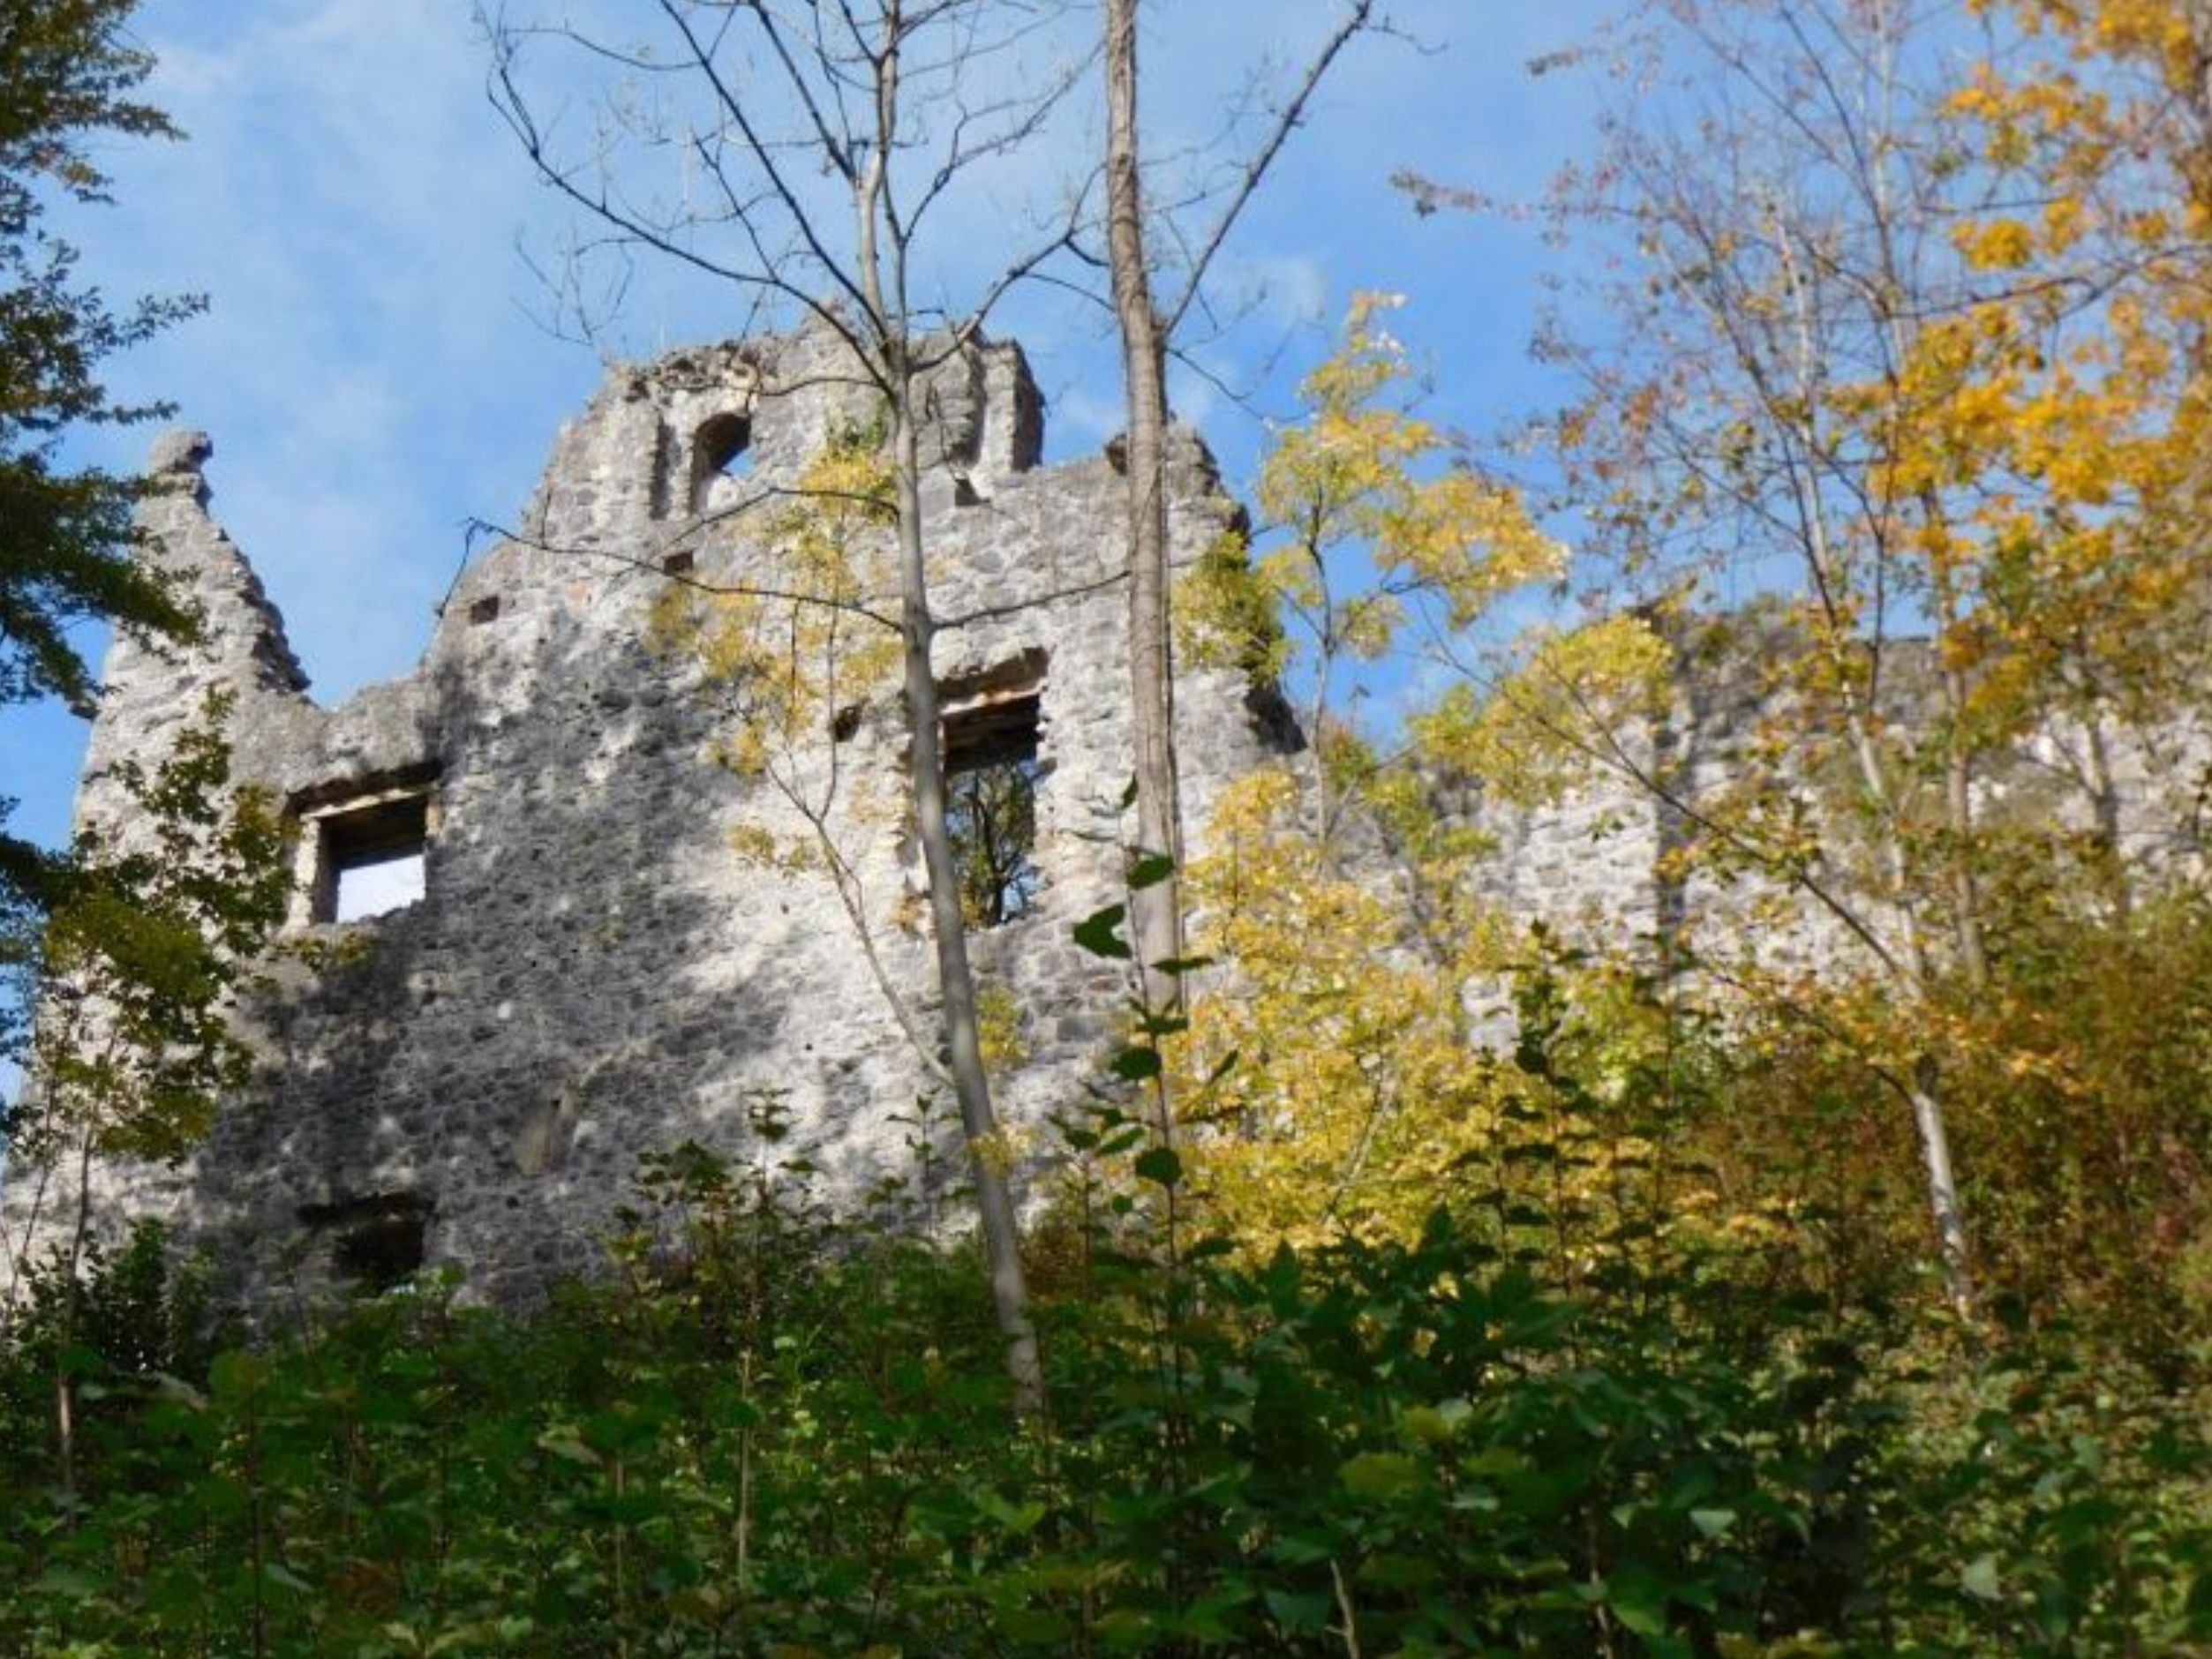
(1564, 1289)
(68, 68)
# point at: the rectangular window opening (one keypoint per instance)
(678, 563)
(369, 858)
(483, 610)
(992, 769)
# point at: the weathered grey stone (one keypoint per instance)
(590, 973)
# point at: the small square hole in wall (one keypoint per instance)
(484, 611)
(678, 563)
(375, 1242)
(371, 859)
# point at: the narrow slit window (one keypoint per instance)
(372, 859)
(992, 769)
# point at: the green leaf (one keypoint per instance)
(1638, 1597)
(1979, 1579)
(1098, 933)
(176, 1390)
(1161, 1164)
(1018, 1518)
(79, 1584)
(1309, 1611)
(1033, 1628)
(1382, 1476)
(1149, 869)
(567, 1442)
(1137, 1065)
(2200, 1600)
(1712, 1523)
(277, 1573)
(1433, 1425)
(1399, 1569)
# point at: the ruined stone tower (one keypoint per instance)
(570, 967)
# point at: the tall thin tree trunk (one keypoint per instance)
(1964, 880)
(970, 1082)
(2104, 799)
(73, 1302)
(881, 275)
(1959, 873)
(1157, 908)
(1942, 1187)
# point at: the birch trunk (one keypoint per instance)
(1156, 910)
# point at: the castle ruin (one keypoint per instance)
(542, 957)
(547, 959)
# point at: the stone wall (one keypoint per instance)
(1600, 864)
(591, 973)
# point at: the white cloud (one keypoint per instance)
(348, 202)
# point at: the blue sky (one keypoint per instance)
(374, 368)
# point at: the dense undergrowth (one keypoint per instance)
(1526, 1429)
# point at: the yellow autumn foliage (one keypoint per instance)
(790, 638)
(1352, 1067)
(1355, 1092)
(1540, 730)
(1366, 511)
(788, 641)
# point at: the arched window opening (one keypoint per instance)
(721, 448)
